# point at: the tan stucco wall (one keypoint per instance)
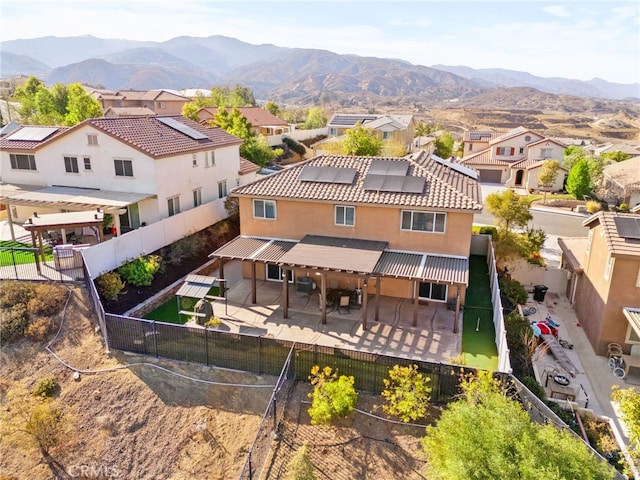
(295, 219)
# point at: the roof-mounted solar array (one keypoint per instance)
(389, 167)
(32, 134)
(182, 128)
(393, 183)
(350, 120)
(469, 172)
(628, 227)
(312, 173)
(478, 136)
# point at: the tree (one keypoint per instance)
(572, 154)
(548, 175)
(225, 97)
(80, 106)
(616, 156)
(422, 129)
(628, 401)
(272, 108)
(393, 148)
(258, 150)
(316, 118)
(443, 145)
(407, 393)
(361, 141)
(579, 181)
(300, 467)
(190, 110)
(509, 208)
(486, 435)
(333, 396)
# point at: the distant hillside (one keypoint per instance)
(12, 64)
(496, 77)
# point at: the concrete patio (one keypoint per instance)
(432, 340)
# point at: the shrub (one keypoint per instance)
(407, 393)
(186, 247)
(14, 323)
(110, 286)
(513, 290)
(534, 387)
(45, 387)
(300, 467)
(48, 299)
(14, 292)
(40, 328)
(140, 272)
(624, 207)
(593, 206)
(294, 146)
(333, 396)
(213, 322)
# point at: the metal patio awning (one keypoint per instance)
(633, 317)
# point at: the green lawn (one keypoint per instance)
(478, 334)
(168, 311)
(19, 257)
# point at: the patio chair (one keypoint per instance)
(343, 306)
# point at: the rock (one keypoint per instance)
(76, 376)
(97, 395)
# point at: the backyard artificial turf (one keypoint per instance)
(478, 337)
(19, 257)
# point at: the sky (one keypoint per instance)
(570, 39)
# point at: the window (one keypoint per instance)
(222, 189)
(546, 152)
(504, 151)
(264, 209)
(22, 162)
(206, 159)
(162, 105)
(433, 291)
(589, 240)
(194, 160)
(197, 197)
(87, 163)
(345, 216)
(527, 138)
(71, 164)
(333, 132)
(521, 150)
(124, 168)
(213, 158)
(92, 139)
(387, 135)
(423, 221)
(173, 204)
(607, 269)
(470, 146)
(274, 274)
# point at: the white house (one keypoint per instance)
(139, 169)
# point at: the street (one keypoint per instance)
(556, 224)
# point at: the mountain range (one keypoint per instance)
(282, 74)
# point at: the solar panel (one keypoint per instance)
(413, 185)
(312, 173)
(469, 172)
(350, 120)
(628, 227)
(389, 167)
(32, 134)
(393, 183)
(182, 128)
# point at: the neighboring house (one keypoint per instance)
(604, 278)
(8, 85)
(477, 141)
(622, 181)
(162, 102)
(128, 112)
(140, 169)
(512, 158)
(629, 149)
(400, 128)
(262, 122)
(399, 227)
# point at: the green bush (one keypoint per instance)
(294, 146)
(593, 206)
(333, 396)
(407, 393)
(140, 272)
(110, 286)
(624, 207)
(534, 387)
(45, 387)
(513, 290)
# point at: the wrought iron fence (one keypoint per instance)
(25, 263)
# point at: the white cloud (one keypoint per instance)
(557, 10)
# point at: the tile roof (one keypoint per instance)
(479, 136)
(348, 120)
(256, 116)
(444, 187)
(483, 158)
(513, 133)
(624, 173)
(546, 139)
(574, 250)
(530, 163)
(24, 145)
(247, 167)
(617, 244)
(150, 95)
(129, 111)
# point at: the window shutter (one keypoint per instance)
(497, 150)
(512, 150)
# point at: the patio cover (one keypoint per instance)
(196, 286)
(633, 317)
(52, 221)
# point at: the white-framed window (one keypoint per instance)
(222, 189)
(274, 274)
(173, 205)
(92, 139)
(470, 146)
(608, 267)
(387, 135)
(264, 209)
(87, 163)
(589, 240)
(194, 160)
(345, 215)
(504, 150)
(333, 132)
(124, 168)
(546, 152)
(415, 221)
(197, 197)
(22, 162)
(433, 291)
(213, 158)
(206, 159)
(71, 164)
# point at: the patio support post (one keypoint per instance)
(39, 252)
(377, 318)
(221, 285)
(415, 303)
(285, 293)
(323, 297)
(10, 219)
(365, 296)
(253, 283)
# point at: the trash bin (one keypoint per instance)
(539, 292)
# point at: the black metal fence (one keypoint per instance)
(19, 263)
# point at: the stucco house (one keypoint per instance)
(390, 127)
(262, 122)
(604, 279)
(622, 181)
(162, 102)
(513, 159)
(398, 227)
(138, 169)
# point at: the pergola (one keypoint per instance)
(198, 286)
